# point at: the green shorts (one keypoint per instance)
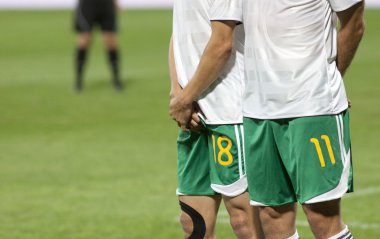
(304, 159)
(212, 161)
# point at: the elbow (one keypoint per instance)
(224, 49)
(228, 48)
(360, 25)
(360, 29)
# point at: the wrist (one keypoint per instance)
(174, 93)
(186, 98)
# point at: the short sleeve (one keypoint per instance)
(227, 10)
(341, 5)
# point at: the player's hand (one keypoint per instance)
(181, 112)
(349, 103)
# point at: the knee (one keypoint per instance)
(192, 222)
(187, 224)
(322, 225)
(313, 216)
(278, 222)
(241, 224)
(269, 214)
(320, 214)
(84, 40)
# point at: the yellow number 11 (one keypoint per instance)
(319, 150)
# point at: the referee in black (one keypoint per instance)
(100, 13)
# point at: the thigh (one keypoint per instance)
(227, 162)
(193, 164)
(321, 151)
(280, 221)
(268, 180)
(241, 212)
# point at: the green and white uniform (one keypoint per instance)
(221, 105)
(212, 161)
(291, 74)
(306, 159)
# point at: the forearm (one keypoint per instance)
(215, 56)
(349, 36)
(213, 60)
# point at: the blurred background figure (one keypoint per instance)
(102, 14)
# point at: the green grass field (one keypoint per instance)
(102, 164)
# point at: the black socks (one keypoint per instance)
(80, 62)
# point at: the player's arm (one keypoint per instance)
(175, 87)
(215, 56)
(350, 34)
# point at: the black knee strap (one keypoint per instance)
(199, 225)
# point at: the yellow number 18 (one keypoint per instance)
(223, 150)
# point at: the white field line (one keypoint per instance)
(223, 215)
(363, 192)
(224, 218)
(353, 224)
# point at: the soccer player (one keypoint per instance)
(296, 123)
(211, 162)
(102, 13)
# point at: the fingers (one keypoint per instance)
(183, 114)
(195, 117)
(183, 121)
(195, 125)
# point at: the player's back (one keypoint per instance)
(191, 33)
(291, 65)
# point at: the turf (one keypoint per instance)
(102, 164)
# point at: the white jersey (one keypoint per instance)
(290, 56)
(222, 102)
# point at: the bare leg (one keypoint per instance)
(84, 40)
(110, 40)
(324, 218)
(207, 207)
(244, 219)
(278, 222)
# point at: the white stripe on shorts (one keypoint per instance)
(342, 187)
(242, 140)
(239, 151)
(338, 124)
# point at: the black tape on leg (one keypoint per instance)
(199, 225)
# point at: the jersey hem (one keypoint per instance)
(261, 117)
(347, 7)
(221, 122)
(226, 19)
